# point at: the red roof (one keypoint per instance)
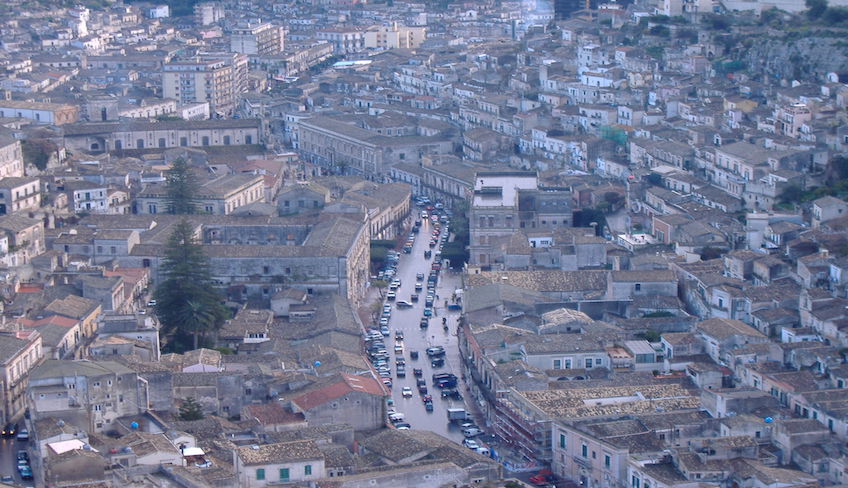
(30, 288)
(274, 414)
(53, 319)
(346, 384)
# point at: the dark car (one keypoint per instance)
(424, 323)
(422, 390)
(23, 455)
(417, 372)
(10, 429)
(420, 382)
(446, 383)
(428, 406)
(413, 354)
(437, 363)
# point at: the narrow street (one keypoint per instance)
(418, 339)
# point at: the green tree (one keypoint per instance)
(815, 8)
(660, 31)
(190, 410)
(180, 189)
(187, 302)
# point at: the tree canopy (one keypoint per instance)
(188, 304)
(190, 410)
(180, 189)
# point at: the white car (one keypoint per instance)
(406, 392)
(471, 444)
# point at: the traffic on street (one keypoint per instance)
(413, 343)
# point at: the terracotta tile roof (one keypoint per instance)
(345, 384)
(273, 414)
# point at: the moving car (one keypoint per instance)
(403, 304)
(406, 392)
(10, 429)
(471, 431)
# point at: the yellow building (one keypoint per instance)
(394, 36)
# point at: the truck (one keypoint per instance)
(457, 414)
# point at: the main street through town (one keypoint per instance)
(418, 339)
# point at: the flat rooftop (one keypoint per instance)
(500, 189)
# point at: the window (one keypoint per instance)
(284, 474)
(139, 143)
(161, 142)
(307, 470)
(226, 140)
(183, 141)
(205, 140)
(260, 474)
(557, 364)
(588, 363)
(635, 481)
(248, 139)
(638, 286)
(584, 450)
(562, 443)
(607, 461)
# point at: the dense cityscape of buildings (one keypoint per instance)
(638, 243)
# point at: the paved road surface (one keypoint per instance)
(8, 460)
(415, 338)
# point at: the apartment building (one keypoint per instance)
(200, 81)
(394, 36)
(86, 393)
(11, 155)
(257, 39)
(19, 194)
(207, 13)
(506, 201)
(20, 352)
(345, 40)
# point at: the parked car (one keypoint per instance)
(471, 444)
(435, 351)
(471, 431)
(417, 372)
(23, 435)
(437, 362)
(413, 354)
(403, 304)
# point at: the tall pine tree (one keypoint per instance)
(187, 302)
(180, 188)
